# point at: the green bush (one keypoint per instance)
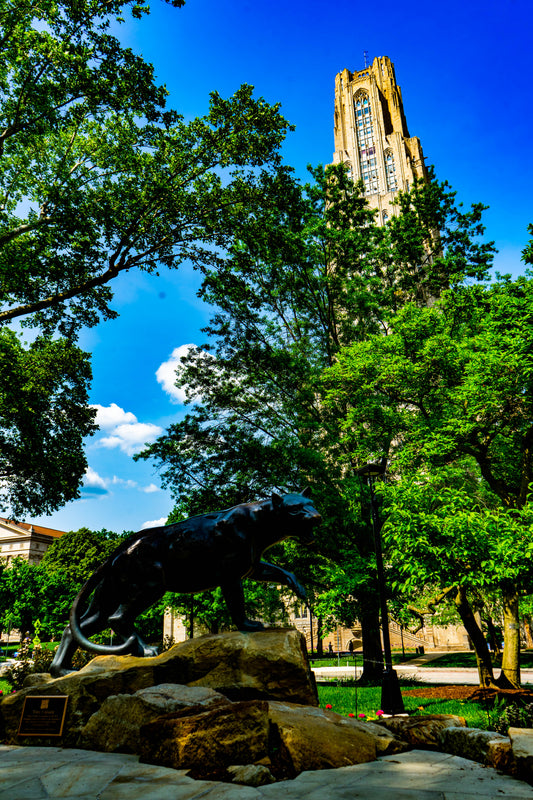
(514, 716)
(32, 660)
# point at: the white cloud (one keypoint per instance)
(166, 373)
(124, 429)
(132, 437)
(93, 483)
(126, 484)
(154, 523)
(108, 417)
(150, 489)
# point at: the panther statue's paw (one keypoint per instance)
(59, 672)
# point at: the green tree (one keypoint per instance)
(449, 382)
(281, 313)
(315, 277)
(77, 554)
(447, 532)
(44, 417)
(97, 178)
(20, 598)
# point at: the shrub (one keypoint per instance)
(32, 660)
(515, 716)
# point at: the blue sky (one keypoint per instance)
(465, 70)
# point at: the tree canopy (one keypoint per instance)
(297, 288)
(450, 384)
(77, 554)
(450, 380)
(97, 177)
(44, 416)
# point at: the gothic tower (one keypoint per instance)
(371, 134)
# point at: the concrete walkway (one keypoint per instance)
(416, 670)
(49, 773)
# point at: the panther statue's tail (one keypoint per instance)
(84, 593)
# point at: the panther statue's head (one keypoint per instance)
(298, 513)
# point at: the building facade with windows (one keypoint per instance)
(371, 135)
(24, 540)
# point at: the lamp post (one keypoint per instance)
(391, 696)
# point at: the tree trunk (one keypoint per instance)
(319, 637)
(484, 662)
(369, 604)
(510, 674)
(527, 631)
(372, 652)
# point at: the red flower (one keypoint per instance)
(351, 715)
(329, 705)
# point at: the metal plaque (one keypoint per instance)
(43, 715)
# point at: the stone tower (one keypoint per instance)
(371, 134)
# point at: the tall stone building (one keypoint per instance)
(371, 134)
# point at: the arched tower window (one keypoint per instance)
(365, 140)
(390, 171)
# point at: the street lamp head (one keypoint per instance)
(372, 470)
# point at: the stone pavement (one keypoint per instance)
(50, 773)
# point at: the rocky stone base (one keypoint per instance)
(267, 665)
(240, 708)
(234, 707)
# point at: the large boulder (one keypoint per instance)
(209, 742)
(268, 664)
(485, 747)
(305, 738)
(423, 732)
(115, 727)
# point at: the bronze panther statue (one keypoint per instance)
(199, 553)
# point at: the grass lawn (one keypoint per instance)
(345, 699)
(8, 650)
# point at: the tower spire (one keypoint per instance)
(371, 134)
